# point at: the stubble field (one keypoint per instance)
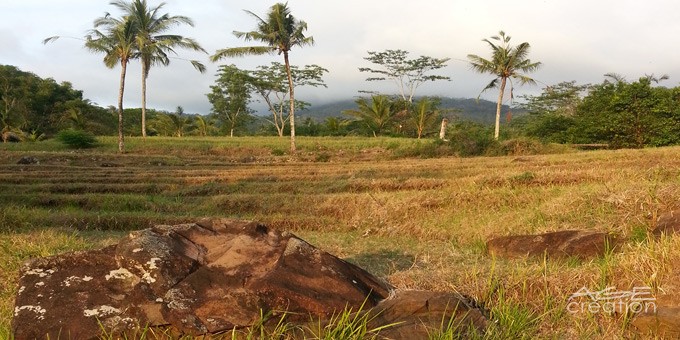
(419, 223)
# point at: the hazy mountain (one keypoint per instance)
(482, 111)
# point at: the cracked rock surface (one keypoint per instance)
(198, 278)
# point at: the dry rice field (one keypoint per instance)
(419, 223)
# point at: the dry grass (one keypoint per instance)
(422, 223)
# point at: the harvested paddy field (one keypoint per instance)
(419, 223)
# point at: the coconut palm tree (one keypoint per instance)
(376, 115)
(115, 38)
(279, 31)
(424, 115)
(117, 42)
(153, 43)
(507, 62)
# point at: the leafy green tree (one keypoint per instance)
(33, 105)
(152, 42)
(507, 63)
(627, 114)
(271, 85)
(376, 115)
(561, 99)
(424, 115)
(552, 113)
(230, 97)
(407, 74)
(280, 31)
(13, 108)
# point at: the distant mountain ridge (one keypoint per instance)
(482, 111)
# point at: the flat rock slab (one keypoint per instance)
(198, 278)
(560, 244)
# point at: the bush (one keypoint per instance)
(77, 139)
(425, 149)
(525, 146)
(470, 139)
(516, 147)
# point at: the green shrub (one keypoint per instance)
(77, 139)
(516, 147)
(425, 149)
(470, 139)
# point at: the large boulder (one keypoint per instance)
(559, 244)
(201, 278)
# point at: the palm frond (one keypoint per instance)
(50, 39)
(241, 51)
(198, 66)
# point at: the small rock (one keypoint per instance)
(668, 223)
(663, 322)
(28, 160)
(419, 314)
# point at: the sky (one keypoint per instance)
(575, 40)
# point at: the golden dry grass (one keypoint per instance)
(421, 223)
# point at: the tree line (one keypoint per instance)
(616, 112)
(141, 33)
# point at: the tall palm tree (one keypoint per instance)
(117, 42)
(153, 43)
(507, 62)
(279, 31)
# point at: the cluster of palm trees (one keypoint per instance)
(140, 33)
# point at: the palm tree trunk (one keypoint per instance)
(498, 109)
(144, 76)
(121, 90)
(292, 103)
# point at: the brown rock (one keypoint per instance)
(560, 244)
(664, 322)
(193, 278)
(668, 223)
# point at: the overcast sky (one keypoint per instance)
(574, 39)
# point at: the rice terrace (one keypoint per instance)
(420, 223)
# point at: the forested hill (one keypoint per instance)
(482, 111)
